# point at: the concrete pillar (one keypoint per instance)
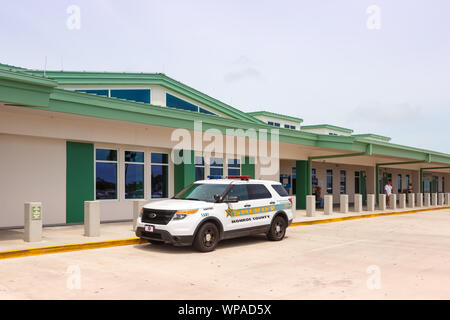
(137, 206)
(33, 222)
(92, 218)
(344, 203)
(370, 202)
(434, 199)
(358, 203)
(441, 199)
(328, 204)
(411, 200)
(402, 201)
(447, 199)
(310, 206)
(382, 202)
(393, 201)
(419, 200)
(426, 201)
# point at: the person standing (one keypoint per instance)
(388, 192)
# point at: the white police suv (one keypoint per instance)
(211, 210)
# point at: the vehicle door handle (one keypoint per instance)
(272, 202)
(247, 205)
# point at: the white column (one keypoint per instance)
(434, 199)
(137, 206)
(441, 199)
(419, 200)
(310, 206)
(92, 218)
(447, 199)
(393, 201)
(358, 203)
(344, 203)
(402, 201)
(427, 201)
(328, 204)
(33, 222)
(370, 202)
(411, 200)
(382, 202)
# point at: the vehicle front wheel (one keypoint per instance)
(207, 237)
(277, 229)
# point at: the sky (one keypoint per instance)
(376, 66)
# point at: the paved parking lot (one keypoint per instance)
(394, 257)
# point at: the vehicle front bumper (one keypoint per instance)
(164, 236)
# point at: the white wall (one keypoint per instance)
(32, 169)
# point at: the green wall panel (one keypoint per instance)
(79, 179)
(302, 168)
(247, 168)
(184, 173)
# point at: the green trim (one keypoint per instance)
(373, 136)
(328, 126)
(247, 168)
(79, 179)
(275, 115)
(184, 173)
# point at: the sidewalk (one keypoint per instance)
(56, 236)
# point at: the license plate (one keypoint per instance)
(149, 228)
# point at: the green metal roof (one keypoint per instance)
(328, 126)
(373, 136)
(122, 78)
(275, 115)
(31, 91)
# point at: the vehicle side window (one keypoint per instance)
(240, 191)
(258, 191)
(280, 190)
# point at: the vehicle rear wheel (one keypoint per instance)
(207, 237)
(277, 229)
(156, 242)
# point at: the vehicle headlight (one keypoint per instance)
(181, 214)
(141, 212)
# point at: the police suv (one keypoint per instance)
(219, 208)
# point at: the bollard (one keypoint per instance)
(447, 199)
(33, 222)
(137, 206)
(426, 201)
(402, 201)
(328, 204)
(441, 199)
(310, 206)
(411, 200)
(419, 200)
(92, 218)
(344, 203)
(358, 203)
(371, 202)
(382, 202)
(434, 199)
(393, 201)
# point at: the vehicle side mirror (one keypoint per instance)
(231, 199)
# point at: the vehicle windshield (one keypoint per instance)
(201, 192)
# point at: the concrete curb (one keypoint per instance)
(362, 216)
(68, 247)
(125, 242)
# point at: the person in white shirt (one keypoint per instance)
(388, 191)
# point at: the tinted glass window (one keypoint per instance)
(106, 180)
(159, 158)
(134, 181)
(203, 192)
(160, 181)
(106, 155)
(97, 92)
(240, 191)
(199, 173)
(174, 102)
(133, 156)
(138, 95)
(258, 191)
(280, 190)
(206, 111)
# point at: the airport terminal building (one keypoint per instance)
(69, 137)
